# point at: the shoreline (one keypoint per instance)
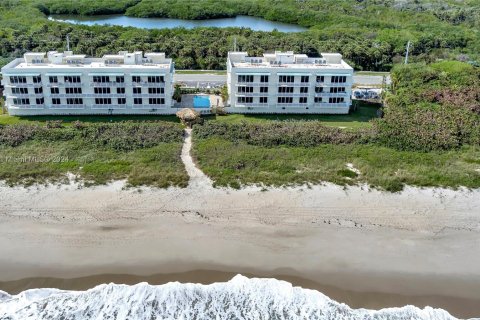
(356, 299)
(364, 247)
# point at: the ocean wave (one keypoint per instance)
(239, 298)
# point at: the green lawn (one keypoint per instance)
(215, 72)
(371, 73)
(237, 163)
(7, 119)
(357, 119)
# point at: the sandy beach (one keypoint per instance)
(418, 246)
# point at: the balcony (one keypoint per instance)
(149, 84)
(107, 84)
(109, 106)
(23, 85)
(67, 106)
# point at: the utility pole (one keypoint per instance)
(68, 42)
(235, 44)
(408, 51)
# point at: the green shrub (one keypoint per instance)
(425, 129)
(275, 133)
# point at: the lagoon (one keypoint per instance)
(257, 24)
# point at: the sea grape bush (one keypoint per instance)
(17, 134)
(130, 136)
(295, 134)
(124, 136)
(427, 129)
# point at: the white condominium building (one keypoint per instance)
(64, 83)
(284, 82)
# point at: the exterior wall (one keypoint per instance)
(310, 107)
(88, 95)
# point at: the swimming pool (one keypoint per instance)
(201, 102)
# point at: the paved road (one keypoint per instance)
(218, 80)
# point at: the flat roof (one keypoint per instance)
(86, 64)
(342, 65)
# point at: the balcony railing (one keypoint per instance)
(67, 106)
(23, 85)
(107, 84)
(149, 84)
(109, 106)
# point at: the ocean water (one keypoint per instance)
(239, 298)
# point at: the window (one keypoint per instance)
(54, 91)
(103, 101)
(137, 90)
(285, 89)
(74, 90)
(74, 101)
(53, 79)
(136, 79)
(156, 101)
(320, 79)
(288, 79)
(263, 89)
(156, 90)
(245, 99)
(120, 79)
(56, 101)
(156, 79)
(120, 90)
(37, 79)
(18, 79)
(303, 89)
(245, 89)
(302, 100)
(137, 101)
(101, 90)
(38, 90)
(101, 79)
(263, 100)
(336, 100)
(72, 79)
(40, 101)
(248, 78)
(318, 89)
(285, 99)
(337, 89)
(305, 79)
(264, 79)
(318, 99)
(20, 90)
(21, 101)
(339, 79)
(122, 101)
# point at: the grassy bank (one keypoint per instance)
(238, 163)
(143, 154)
(356, 119)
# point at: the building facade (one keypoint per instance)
(64, 83)
(284, 82)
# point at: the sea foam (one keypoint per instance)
(239, 298)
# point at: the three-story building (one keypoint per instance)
(284, 82)
(64, 83)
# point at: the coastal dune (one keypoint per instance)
(420, 246)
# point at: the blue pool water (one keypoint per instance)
(201, 102)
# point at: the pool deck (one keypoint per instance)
(187, 100)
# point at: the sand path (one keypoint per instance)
(197, 178)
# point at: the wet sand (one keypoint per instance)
(460, 307)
